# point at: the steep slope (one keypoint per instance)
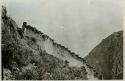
(30, 54)
(107, 57)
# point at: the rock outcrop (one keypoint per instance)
(29, 54)
(107, 57)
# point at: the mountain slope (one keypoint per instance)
(28, 54)
(107, 57)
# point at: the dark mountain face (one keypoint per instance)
(107, 57)
(28, 54)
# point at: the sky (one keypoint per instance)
(79, 25)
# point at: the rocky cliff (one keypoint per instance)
(29, 54)
(107, 57)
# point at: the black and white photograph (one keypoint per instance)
(62, 40)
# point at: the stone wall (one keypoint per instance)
(53, 48)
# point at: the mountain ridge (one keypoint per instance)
(29, 54)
